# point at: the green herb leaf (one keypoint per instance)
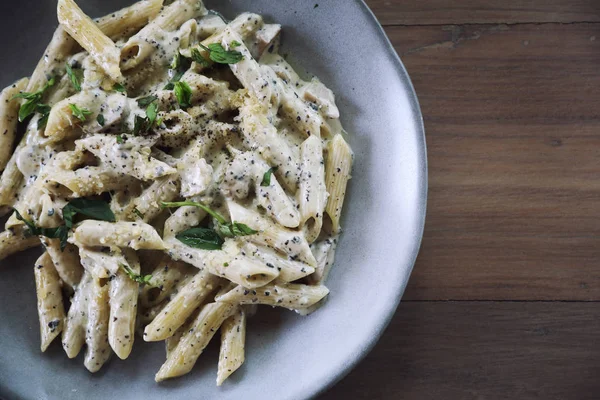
(60, 232)
(182, 65)
(119, 88)
(176, 61)
(183, 92)
(95, 209)
(120, 139)
(235, 44)
(138, 213)
(197, 57)
(266, 180)
(79, 113)
(34, 103)
(236, 229)
(100, 119)
(151, 113)
(201, 238)
(146, 101)
(44, 111)
(73, 77)
(141, 279)
(218, 54)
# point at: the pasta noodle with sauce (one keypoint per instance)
(178, 173)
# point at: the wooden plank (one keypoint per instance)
(443, 12)
(512, 131)
(482, 350)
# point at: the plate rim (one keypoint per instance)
(423, 197)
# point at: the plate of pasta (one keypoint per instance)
(200, 191)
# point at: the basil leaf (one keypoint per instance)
(236, 229)
(176, 61)
(218, 54)
(44, 110)
(100, 119)
(95, 209)
(141, 279)
(119, 88)
(151, 113)
(145, 101)
(197, 57)
(138, 213)
(28, 108)
(266, 180)
(183, 92)
(79, 113)
(235, 44)
(120, 139)
(201, 238)
(73, 77)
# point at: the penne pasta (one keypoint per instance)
(96, 337)
(292, 296)
(233, 342)
(175, 313)
(192, 344)
(337, 174)
(51, 310)
(8, 119)
(134, 235)
(90, 37)
(312, 196)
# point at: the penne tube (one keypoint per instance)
(291, 296)
(51, 310)
(312, 193)
(90, 37)
(96, 337)
(182, 219)
(288, 242)
(288, 270)
(9, 119)
(139, 46)
(73, 337)
(192, 344)
(233, 342)
(168, 278)
(129, 19)
(178, 309)
(123, 300)
(337, 174)
(16, 240)
(66, 262)
(133, 235)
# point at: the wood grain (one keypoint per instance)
(442, 12)
(512, 132)
(482, 350)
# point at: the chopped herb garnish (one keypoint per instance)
(120, 139)
(201, 238)
(183, 92)
(179, 67)
(143, 124)
(73, 77)
(100, 119)
(218, 54)
(119, 88)
(235, 44)
(44, 111)
(226, 229)
(176, 61)
(266, 180)
(34, 101)
(60, 232)
(197, 57)
(138, 213)
(145, 101)
(141, 279)
(79, 113)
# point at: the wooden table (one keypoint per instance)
(503, 300)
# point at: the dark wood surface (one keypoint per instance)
(503, 301)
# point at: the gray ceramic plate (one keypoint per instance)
(288, 357)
